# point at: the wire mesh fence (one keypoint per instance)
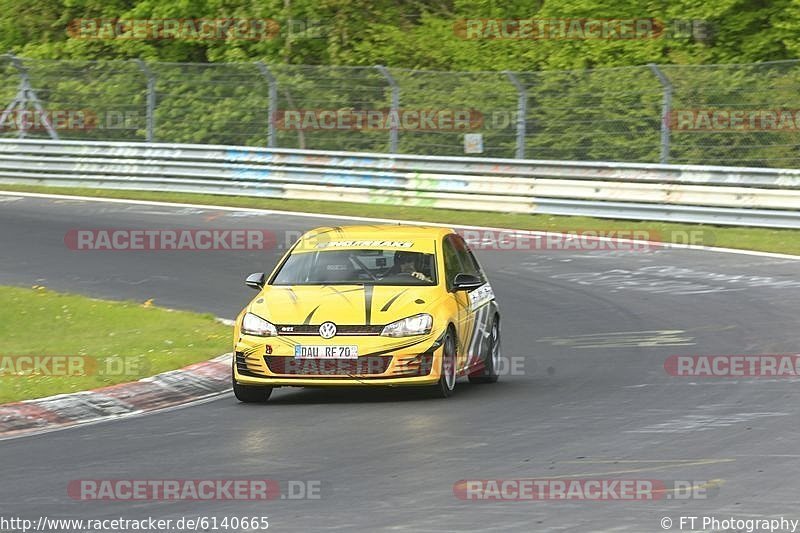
(209, 104)
(766, 98)
(316, 108)
(77, 99)
(747, 115)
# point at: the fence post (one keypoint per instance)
(18, 98)
(26, 94)
(151, 100)
(273, 102)
(666, 107)
(522, 111)
(395, 107)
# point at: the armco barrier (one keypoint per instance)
(703, 194)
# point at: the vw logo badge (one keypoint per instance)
(327, 330)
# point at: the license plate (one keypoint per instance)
(326, 352)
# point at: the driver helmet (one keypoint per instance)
(401, 257)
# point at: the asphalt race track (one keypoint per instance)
(589, 331)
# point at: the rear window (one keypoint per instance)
(358, 267)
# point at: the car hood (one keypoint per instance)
(341, 304)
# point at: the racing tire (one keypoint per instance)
(447, 381)
(491, 361)
(251, 393)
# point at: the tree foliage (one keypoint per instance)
(587, 99)
(416, 33)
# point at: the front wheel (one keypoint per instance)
(251, 393)
(447, 380)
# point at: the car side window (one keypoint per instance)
(469, 265)
(452, 261)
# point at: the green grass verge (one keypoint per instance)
(763, 239)
(107, 342)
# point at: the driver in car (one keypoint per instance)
(405, 263)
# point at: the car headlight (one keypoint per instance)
(255, 325)
(413, 325)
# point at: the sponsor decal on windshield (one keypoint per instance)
(365, 244)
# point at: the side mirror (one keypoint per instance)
(256, 281)
(466, 282)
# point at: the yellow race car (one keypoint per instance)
(383, 305)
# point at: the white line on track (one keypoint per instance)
(389, 221)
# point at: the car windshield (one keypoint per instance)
(357, 267)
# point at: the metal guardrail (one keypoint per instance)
(690, 193)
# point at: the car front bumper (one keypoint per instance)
(268, 362)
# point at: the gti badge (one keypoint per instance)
(327, 330)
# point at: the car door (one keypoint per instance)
(464, 317)
(480, 313)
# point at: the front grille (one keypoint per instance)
(242, 367)
(307, 329)
(418, 365)
(364, 366)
